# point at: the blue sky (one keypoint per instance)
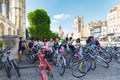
(62, 12)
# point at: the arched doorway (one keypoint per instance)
(1, 29)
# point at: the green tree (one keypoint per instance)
(40, 24)
(0, 43)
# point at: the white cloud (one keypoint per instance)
(61, 16)
(53, 21)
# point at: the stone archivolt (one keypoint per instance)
(12, 17)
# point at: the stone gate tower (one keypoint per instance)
(78, 26)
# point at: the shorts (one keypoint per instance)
(20, 51)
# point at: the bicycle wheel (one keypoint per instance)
(30, 57)
(7, 69)
(49, 75)
(0, 66)
(16, 68)
(36, 64)
(78, 69)
(106, 55)
(61, 66)
(101, 61)
(117, 57)
(93, 64)
(85, 66)
(54, 58)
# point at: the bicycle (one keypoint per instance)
(8, 62)
(42, 66)
(95, 55)
(89, 60)
(59, 60)
(114, 52)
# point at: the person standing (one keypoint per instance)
(20, 48)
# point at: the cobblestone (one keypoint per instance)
(112, 73)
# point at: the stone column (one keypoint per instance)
(4, 9)
(24, 19)
(11, 40)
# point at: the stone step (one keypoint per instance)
(25, 64)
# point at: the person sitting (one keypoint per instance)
(31, 44)
(20, 48)
(56, 43)
(44, 43)
(50, 45)
(37, 43)
(77, 44)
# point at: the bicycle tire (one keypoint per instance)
(16, 68)
(79, 74)
(100, 60)
(36, 64)
(61, 66)
(85, 66)
(49, 74)
(30, 58)
(117, 57)
(54, 58)
(93, 64)
(106, 56)
(0, 65)
(7, 69)
(43, 75)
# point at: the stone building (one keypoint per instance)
(78, 27)
(113, 20)
(60, 32)
(12, 17)
(99, 28)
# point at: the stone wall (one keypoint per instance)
(12, 41)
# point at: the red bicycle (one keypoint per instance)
(43, 67)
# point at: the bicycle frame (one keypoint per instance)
(43, 64)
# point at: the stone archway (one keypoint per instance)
(9, 31)
(2, 29)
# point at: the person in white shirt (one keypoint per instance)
(50, 44)
(38, 42)
(77, 43)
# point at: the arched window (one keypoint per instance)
(1, 29)
(9, 31)
(8, 8)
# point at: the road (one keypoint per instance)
(112, 73)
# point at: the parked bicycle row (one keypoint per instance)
(82, 58)
(63, 54)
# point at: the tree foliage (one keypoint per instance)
(40, 24)
(0, 43)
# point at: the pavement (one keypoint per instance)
(30, 73)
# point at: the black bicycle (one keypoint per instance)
(8, 63)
